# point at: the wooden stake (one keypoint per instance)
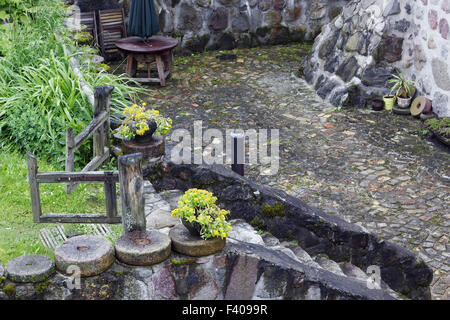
(132, 192)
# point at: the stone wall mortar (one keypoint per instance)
(356, 52)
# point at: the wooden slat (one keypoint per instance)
(111, 199)
(87, 176)
(91, 166)
(96, 123)
(78, 218)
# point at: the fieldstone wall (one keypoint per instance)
(241, 271)
(356, 53)
(225, 24)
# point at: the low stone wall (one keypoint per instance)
(355, 54)
(288, 218)
(226, 24)
(241, 271)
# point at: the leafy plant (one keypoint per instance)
(441, 126)
(403, 87)
(40, 96)
(199, 206)
(137, 119)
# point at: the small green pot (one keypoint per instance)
(389, 101)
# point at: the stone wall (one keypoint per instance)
(241, 271)
(356, 53)
(226, 24)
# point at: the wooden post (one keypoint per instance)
(110, 197)
(70, 155)
(102, 100)
(34, 187)
(132, 192)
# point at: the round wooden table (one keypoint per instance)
(158, 49)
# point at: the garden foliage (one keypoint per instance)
(40, 96)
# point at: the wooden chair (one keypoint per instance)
(112, 28)
(88, 19)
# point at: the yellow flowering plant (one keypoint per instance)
(138, 118)
(199, 207)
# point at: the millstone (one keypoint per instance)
(401, 111)
(186, 243)
(2, 271)
(30, 268)
(93, 254)
(143, 248)
(426, 116)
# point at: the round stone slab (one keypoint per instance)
(30, 268)
(397, 110)
(93, 254)
(2, 271)
(143, 248)
(186, 243)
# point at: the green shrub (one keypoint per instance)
(40, 96)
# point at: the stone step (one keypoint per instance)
(329, 265)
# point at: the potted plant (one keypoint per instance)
(201, 216)
(389, 101)
(140, 123)
(403, 89)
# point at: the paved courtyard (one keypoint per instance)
(371, 168)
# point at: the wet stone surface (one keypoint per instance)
(371, 168)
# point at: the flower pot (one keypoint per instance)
(389, 101)
(193, 227)
(377, 104)
(148, 135)
(404, 103)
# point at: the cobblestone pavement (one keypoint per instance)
(371, 168)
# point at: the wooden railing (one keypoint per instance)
(108, 177)
(99, 127)
(131, 183)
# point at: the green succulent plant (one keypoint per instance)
(402, 86)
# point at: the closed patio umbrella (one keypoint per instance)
(142, 21)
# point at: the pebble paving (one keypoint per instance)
(375, 169)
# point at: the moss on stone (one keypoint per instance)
(9, 289)
(182, 262)
(41, 286)
(277, 210)
(257, 223)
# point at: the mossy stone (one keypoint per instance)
(91, 253)
(143, 248)
(30, 268)
(186, 243)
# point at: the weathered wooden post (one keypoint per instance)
(102, 102)
(34, 187)
(137, 246)
(132, 192)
